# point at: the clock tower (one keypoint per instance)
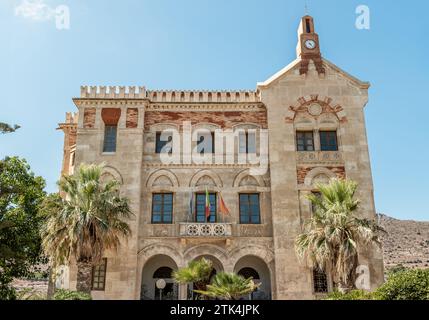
(308, 46)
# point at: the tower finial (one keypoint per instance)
(306, 7)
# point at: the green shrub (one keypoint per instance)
(405, 285)
(352, 295)
(71, 295)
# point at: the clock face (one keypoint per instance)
(310, 44)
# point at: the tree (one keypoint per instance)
(197, 272)
(229, 286)
(21, 194)
(5, 128)
(84, 224)
(332, 237)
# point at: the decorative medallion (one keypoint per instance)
(315, 110)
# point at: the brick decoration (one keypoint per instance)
(302, 172)
(224, 119)
(111, 116)
(89, 118)
(132, 117)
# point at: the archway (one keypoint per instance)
(156, 268)
(255, 268)
(217, 267)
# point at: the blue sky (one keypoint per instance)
(219, 44)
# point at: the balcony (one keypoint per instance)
(213, 230)
(319, 157)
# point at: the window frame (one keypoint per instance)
(305, 145)
(159, 144)
(162, 212)
(212, 213)
(199, 141)
(328, 139)
(247, 136)
(250, 213)
(96, 269)
(318, 273)
(106, 140)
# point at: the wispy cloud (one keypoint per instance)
(36, 10)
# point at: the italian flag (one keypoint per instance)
(208, 205)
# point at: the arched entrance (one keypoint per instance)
(217, 267)
(255, 268)
(156, 268)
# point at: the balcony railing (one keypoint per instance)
(205, 229)
(319, 156)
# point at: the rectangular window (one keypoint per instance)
(250, 208)
(320, 281)
(162, 208)
(328, 141)
(162, 139)
(200, 212)
(247, 142)
(206, 143)
(99, 276)
(110, 134)
(305, 141)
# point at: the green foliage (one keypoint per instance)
(88, 221)
(71, 295)
(405, 285)
(21, 194)
(396, 269)
(332, 236)
(6, 128)
(352, 295)
(229, 286)
(197, 272)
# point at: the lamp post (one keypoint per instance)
(160, 284)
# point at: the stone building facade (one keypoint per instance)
(313, 113)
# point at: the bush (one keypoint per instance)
(71, 295)
(352, 295)
(405, 285)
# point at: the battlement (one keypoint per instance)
(187, 96)
(203, 96)
(72, 118)
(112, 92)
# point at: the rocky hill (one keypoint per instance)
(407, 243)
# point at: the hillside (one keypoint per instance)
(406, 243)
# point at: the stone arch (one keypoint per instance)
(109, 171)
(206, 126)
(154, 268)
(161, 177)
(318, 172)
(261, 273)
(153, 250)
(262, 252)
(205, 250)
(303, 105)
(244, 175)
(209, 173)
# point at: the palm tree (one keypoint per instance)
(6, 128)
(197, 272)
(86, 223)
(332, 237)
(229, 286)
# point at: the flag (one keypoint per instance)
(208, 205)
(223, 209)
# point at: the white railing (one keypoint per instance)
(205, 229)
